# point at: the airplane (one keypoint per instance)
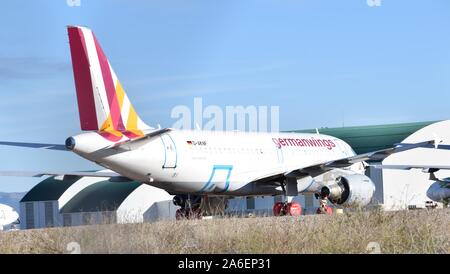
(8, 216)
(196, 165)
(439, 190)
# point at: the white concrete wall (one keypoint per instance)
(76, 219)
(264, 204)
(95, 218)
(376, 175)
(237, 204)
(133, 208)
(164, 210)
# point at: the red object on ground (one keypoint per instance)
(328, 210)
(293, 209)
(277, 208)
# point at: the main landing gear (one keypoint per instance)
(190, 206)
(287, 209)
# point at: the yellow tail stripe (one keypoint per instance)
(132, 119)
(120, 94)
(107, 125)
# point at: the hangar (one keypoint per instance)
(72, 200)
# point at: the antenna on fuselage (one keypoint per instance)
(317, 131)
(197, 127)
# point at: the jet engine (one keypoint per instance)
(347, 190)
(439, 191)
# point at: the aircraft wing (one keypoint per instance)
(35, 145)
(379, 155)
(431, 168)
(135, 141)
(56, 173)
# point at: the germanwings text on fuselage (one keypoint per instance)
(279, 142)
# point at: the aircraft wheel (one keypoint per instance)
(278, 209)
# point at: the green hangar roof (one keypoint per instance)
(49, 189)
(370, 138)
(101, 196)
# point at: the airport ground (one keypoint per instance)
(414, 231)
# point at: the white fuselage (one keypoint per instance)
(194, 161)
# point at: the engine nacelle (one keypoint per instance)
(347, 190)
(439, 191)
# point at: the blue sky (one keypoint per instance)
(325, 63)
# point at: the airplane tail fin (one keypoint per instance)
(102, 102)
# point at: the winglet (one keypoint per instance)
(437, 140)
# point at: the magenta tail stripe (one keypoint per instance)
(113, 101)
(109, 136)
(83, 81)
(130, 134)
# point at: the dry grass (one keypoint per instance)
(421, 231)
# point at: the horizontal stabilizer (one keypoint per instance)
(140, 140)
(34, 145)
(56, 173)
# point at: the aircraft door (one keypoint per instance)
(170, 151)
(341, 147)
(280, 155)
